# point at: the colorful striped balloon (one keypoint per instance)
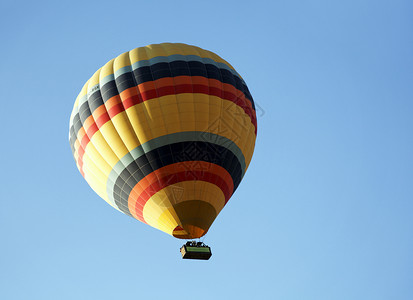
(165, 133)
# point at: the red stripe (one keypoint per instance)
(85, 141)
(131, 101)
(117, 109)
(81, 152)
(91, 131)
(102, 119)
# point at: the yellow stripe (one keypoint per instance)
(94, 80)
(115, 149)
(125, 131)
(93, 176)
(158, 211)
(96, 172)
(171, 117)
(248, 145)
(121, 61)
(91, 154)
(107, 69)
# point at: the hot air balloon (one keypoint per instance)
(165, 133)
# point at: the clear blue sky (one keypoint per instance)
(325, 210)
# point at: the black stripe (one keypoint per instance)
(84, 111)
(109, 90)
(72, 144)
(74, 129)
(123, 82)
(173, 69)
(170, 154)
(72, 134)
(95, 100)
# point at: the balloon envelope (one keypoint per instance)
(165, 133)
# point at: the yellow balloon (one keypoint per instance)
(165, 133)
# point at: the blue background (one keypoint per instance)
(325, 210)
